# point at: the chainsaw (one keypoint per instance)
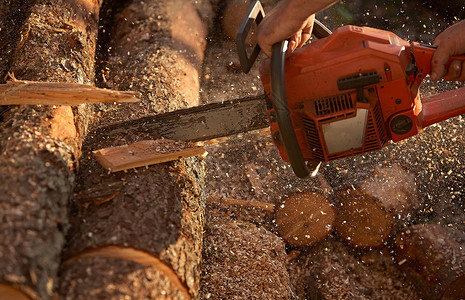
(347, 92)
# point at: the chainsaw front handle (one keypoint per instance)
(254, 15)
(283, 117)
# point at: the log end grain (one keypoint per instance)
(361, 220)
(304, 218)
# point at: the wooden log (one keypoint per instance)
(157, 49)
(361, 221)
(138, 273)
(13, 14)
(158, 209)
(37, 153)
(231, 18)
(331, 270)
(369, 215)
(145, 153)
(305, 218)
(243, 260)
(434, 259)
(20, 92)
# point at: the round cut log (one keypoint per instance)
(304, 218)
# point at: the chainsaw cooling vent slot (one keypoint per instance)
(313, 140)
(335, 104)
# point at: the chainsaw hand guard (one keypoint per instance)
(283, 117)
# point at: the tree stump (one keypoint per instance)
(39, 144)
(435, 260)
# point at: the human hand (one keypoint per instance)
(450, 42)
(289, 20)
(279, 25)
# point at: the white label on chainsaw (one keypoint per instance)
(345, 134)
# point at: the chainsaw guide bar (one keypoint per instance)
(198, 123)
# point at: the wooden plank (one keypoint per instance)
(21, 92)
(145, 153)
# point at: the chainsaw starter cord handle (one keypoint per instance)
(283, 117)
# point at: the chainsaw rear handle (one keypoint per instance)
(279, 102)
(423, 55)
(439, 107)
(256, 15)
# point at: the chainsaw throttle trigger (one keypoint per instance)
(254, 15)
(283, 117)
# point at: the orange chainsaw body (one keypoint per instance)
(353, 91)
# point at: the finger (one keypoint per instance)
(462, 73)
(439, 60)
(291, 46)
(306, 34)
(293, 43)
(453, 71)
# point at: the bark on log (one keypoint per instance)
(382, 205)
(158, 209)
(116, 273)
(13, 14)
(435, 260)
(39, 145)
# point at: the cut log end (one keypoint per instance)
(361, 220)
(304, 218)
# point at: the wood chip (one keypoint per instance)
(145, 153)
(19, 92)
